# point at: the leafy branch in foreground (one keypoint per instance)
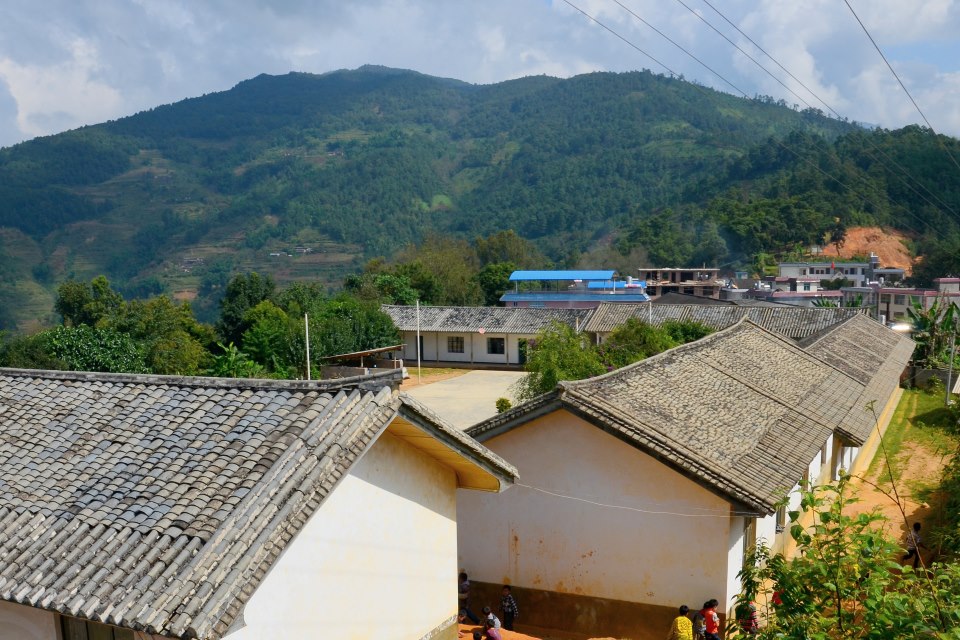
(844, 582)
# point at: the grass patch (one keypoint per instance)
(920, 420)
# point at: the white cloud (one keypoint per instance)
(72, 62)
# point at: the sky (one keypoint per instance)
(68, 63)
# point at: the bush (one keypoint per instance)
(503, 404)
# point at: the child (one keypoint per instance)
(488, 615)
(712, 620)
(492, 632)
(682, 628)
(508, 607)
(463, 595)
(913, 545)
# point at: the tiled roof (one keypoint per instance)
(159, 503)
(522, 320)
(743, 411)
(870, 352)
(793, 322)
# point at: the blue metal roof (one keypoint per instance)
(591, 296)
(618, 284)
(561, 275)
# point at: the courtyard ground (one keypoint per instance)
(463, 398)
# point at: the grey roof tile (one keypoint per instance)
(793, 322)
(743, 410)
(521, 320)
(158, 503)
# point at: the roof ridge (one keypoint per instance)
(328, 384)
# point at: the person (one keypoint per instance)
(682, 628)
(463, 595)
(492, 632)
(914, 543)
(489, 615)
(747, 618)
(700, 623)
(461, 619)
(508, 607)
(477, 635)
(711, 620)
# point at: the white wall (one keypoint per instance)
(20, 622)
(474, 347)
(734, 562)
(535, 540)
(378, 559)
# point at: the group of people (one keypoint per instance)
(491, 623)
(705, 623)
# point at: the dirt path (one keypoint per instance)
(429, 376)
(916, 465)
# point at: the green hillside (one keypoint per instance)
(307, 176)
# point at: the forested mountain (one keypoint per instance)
(306, 176)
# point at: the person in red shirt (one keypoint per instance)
(712, 620)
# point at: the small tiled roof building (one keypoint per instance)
(641, 489)
(146, 506)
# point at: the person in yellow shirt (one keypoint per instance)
(682, 627)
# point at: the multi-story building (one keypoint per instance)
(858, 273)
(703, 283)
(891, 303)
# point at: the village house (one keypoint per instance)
(857, 273)
(163, 507)
(892, 303)
(703, 283)
(643, 488)
(475, 335)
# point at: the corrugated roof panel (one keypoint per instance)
(520, 276)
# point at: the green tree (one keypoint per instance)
(558, 353)
(267, 341)
(173, 341)
(233, 363)
(494, 280)
(507, 246)
(86, 303)
(932, 329)
(842, 583)
(244, 292)
(632, 341)
(86, 348)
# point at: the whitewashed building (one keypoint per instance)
(642, 489)
(202, 508)
(475, 335)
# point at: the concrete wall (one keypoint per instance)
(20, 622)
(669, 544)
(378, 559)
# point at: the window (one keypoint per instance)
(806, 286)
(454, 344)
(899, 299)
(496, 345)
(77, 629)
(884, 297)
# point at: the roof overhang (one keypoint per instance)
(476, 467)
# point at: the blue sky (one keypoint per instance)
(66, 63)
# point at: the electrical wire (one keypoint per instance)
(902, 86)
(628, 42)
(725, 514)
(893, 164)
(780, 143)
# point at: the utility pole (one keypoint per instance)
(306, 335)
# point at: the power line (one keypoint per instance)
(895, 165)
(679, 46)
(724, 514)
(902, 86)
(628, 42)
(780, 143)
